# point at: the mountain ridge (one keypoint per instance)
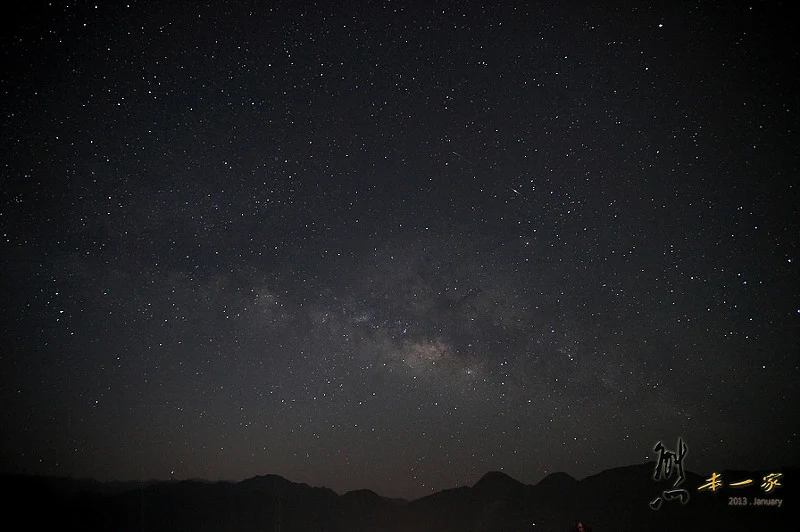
(614, 499)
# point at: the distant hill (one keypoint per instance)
(613, 500)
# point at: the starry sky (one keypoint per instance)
(395, 245)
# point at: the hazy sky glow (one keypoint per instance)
(397, 245)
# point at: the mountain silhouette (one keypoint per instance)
(498, 485)
(612, 500)
(557, 481)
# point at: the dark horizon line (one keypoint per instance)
(155, 481)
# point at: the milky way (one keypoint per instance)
(396, 246)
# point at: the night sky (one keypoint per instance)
(396, 245)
